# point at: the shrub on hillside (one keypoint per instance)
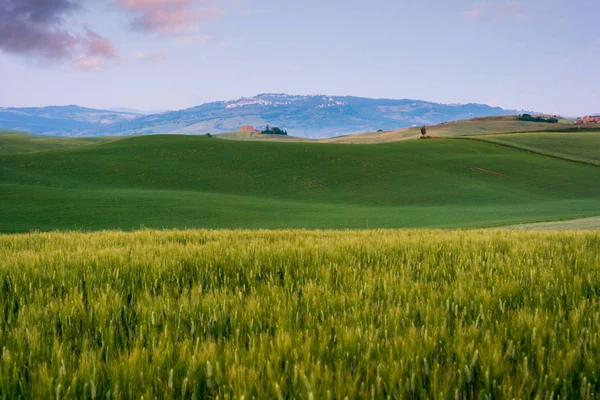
(539, 118)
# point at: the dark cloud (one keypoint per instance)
(36, 28)
(41, 11)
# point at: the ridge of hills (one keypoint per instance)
(314, 116)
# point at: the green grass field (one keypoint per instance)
(576, 146)
(296, 314)
(196, 182)
(17, 142)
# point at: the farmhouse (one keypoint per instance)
(587, 120)
(249, 128)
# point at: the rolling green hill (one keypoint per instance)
(171, 181)
(575, 146)
(17, 142)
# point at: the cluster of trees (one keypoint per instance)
(274, 131)
(531, 118)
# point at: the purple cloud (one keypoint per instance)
(36, 28)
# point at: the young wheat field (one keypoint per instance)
(300, 314)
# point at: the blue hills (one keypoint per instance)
(315, 116)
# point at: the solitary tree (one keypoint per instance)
(423, 131)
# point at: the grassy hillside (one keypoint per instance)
(476, 126)
(576, 146)
(16, 142)
(296, 314)
(186, 182)
(374, 137)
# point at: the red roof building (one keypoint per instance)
(587, 120)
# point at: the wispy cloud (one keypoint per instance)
(92, 64)
(36, 28)
(170, 16)
(149, 57)
(492, 11)
(195, 39)
(98, 45)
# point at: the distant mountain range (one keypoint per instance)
(60, 120)
(315, 116)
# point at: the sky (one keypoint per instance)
(539, 55)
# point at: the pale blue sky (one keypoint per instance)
(540, 55)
